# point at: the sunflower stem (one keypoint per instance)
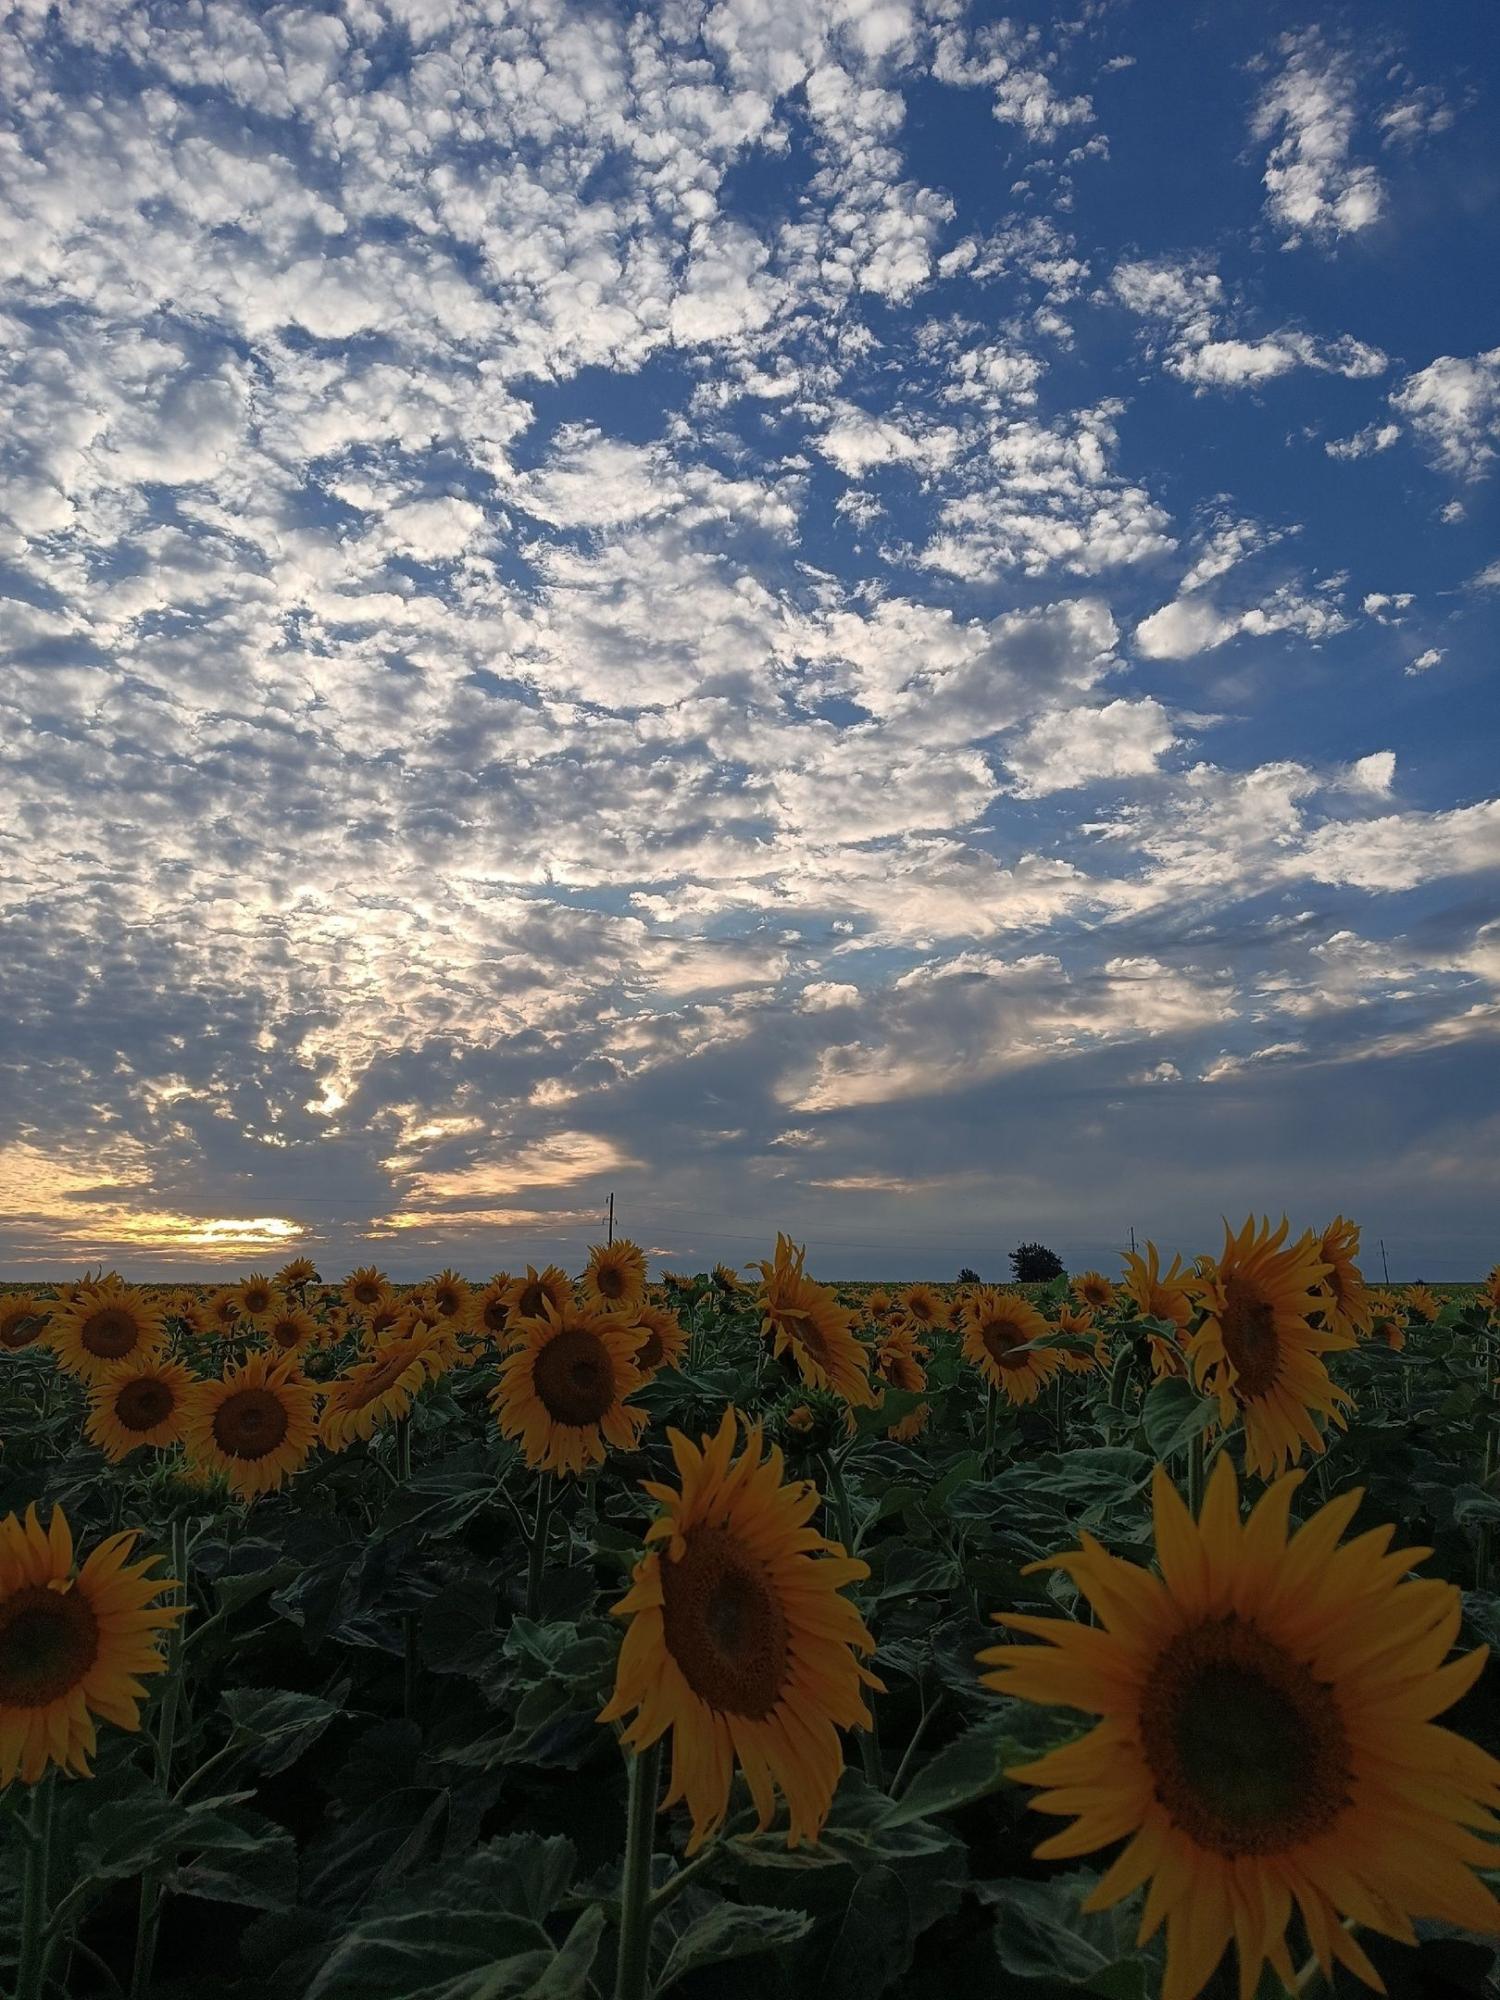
(408, 1618)
(536, 1562)
(31, 1965)
(148, 1923)
(1195, 1468)
(633, 1966)
(989, 1426)
(1486, 1477)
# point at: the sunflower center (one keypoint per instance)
(367, 1292)
(141, 1406)
(1001, 1338)
(574, 1378)
(1248, 1751)
(530, 1304)
(1248, 1327)
(496, 1313)
(256, 1300)
(250, 1423)
(650, 1352)
(610, 1281)
(723, 1625)
(110, 1332)
(48, 1641)
(447, 1301)
(286, 1333)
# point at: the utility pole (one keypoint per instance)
(611, 1236)
(1132, 1239)
(1383, 1264)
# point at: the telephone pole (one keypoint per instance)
(611, 1236)
(1383, 1264)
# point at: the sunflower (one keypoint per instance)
(447, 1296)
(1347, 1308)
(614, 1280)
(729, 1283)
(291, 1329)
(898, 1361)
(1159, 1294)
(1093, 1289)
(740, 1640)
(910, 1427)
(1258, 1351)
(878, 1304)
(562, 1391)
(1266, 1735)
(803, 1319)
(138, 1403)
(529, 1295)
(1489, 1291)
(364, 1291)
(921, 1305)
(106, 1322)
(257, 1297)
(996, 1324)
(376, 1391)
(220, 1311)
(72, 1646)
(1421, 1304)
(255, 1427)
(665, 1343)
(1077, 1325)
(299, 1272)
(23, 1319)
(490, 1311)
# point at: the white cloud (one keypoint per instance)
(1193, 624)
(1453, 406)
(1432, 657)
(1314, 189)
(1080, 746)
(1364, 443)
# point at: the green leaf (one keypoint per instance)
(872, 1949)
(567, 1977)
(275, 1726)
(1042, 1932)
(730, 1930)
(1173, 1414)
(969, 1768)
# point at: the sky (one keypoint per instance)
(867, 617)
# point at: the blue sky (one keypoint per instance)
(872, 617)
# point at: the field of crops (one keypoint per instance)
(563, 1636)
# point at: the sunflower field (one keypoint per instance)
(744, 1635)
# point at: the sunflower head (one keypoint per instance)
(448, 1297)
(922, 1305)
(740, 1640)
(998, 1329)
(562, 1391)
(291, 1329)
(490, 1312)
(878, 1304)
(23, 1319)
(898, 1360)
(257, 1297)
(378, 1389)
(138, 1403)
(366, 1290)
(254, 1427)
(106, 1322)
(221, 1310)
(665, 1340)
(726, 1282)
(299, 1272)
(1422, 1304)
(529, 1295)
(910, 1427)
(1077, 1326)
(805, 1322)
(74, 1644)
(1346, 1306)
(1094, 1290)
(1265, 1736)
(614, 1280)
(1257, 1349)
(1158, 1294)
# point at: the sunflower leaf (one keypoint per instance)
(728, 1931)
(1173, 1414)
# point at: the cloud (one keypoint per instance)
(1314, 189)
(1453, 406)
(1193, 624)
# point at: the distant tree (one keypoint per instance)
(968, 1277)
(1035, 1264)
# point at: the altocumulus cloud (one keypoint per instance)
(698, 599)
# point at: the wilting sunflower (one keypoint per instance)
(490, 1310)
(1266, 1736)
(106, 1322)
(614, 1280)
(562, 1390)
(291, 1329)
(1389, 1327)
(257, 1297)
(364, 1291)
(740, 1642)
(726, 1282)
(73, 1646)
(299, 1272)
(1347, 1305)
(254, 1428)
(1421, 1304)
(1078, 1326)
(665, 1342)
(1257, 1350)
(803, 1319)
(529, 1295)
(1093, 1289)
(23, 1319)
(995, 1325)
(374, 1392)
(138, 1403)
